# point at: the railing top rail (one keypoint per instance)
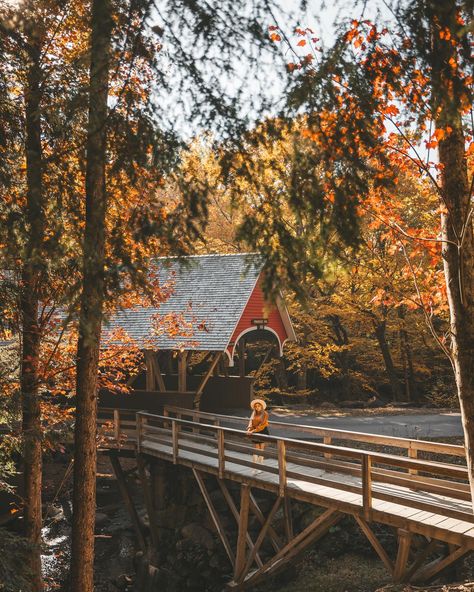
(377, 457)
(395, 441)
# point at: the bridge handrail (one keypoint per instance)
(411, 445)
(366, 458)
(446, 469)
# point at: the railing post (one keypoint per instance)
(175, 436)
(139, 422)
(281, 468)
(327, 440)
(367, 485)
(117, 425)
(412, 453)
(221, 452)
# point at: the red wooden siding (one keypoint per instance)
(257, 308)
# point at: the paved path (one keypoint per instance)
(429, 425)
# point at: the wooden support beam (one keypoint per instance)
(150, 375)
(201, 387)
(260, 539)
(277, 543)
(127, 500)
(158, 375)
(404, 544)
(243, 530)
(215, 517)
(182, 371)
(288, 517)
(148, 501)
(309, 535)
(435, 567)
(374, 542)
(235, 513)
(422, 555)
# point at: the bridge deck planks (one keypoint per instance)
(333, 494)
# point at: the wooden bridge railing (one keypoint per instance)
(425, 485)
(411, 445)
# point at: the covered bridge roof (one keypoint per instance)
(210, 294)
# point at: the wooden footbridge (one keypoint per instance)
(420, 488)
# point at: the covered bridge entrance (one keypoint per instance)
(195, 342)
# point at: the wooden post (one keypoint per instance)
(150, 375)
(404, 543)
(157, 372)
(243, 529)
(242, 357)
(117, 425)
(139, 422)
(175, 436)
(281, 468)
(221, 452)
(367, 486)
(182, 367)
(260, 538)
(413, 453)
(327, 440)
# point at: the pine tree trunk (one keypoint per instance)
(380, 332)
(29, 303)
(90, 322)
(457, 225)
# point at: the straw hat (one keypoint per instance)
(261, 401)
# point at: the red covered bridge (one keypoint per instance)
(216, 307)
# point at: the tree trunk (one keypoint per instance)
(380, 328)
(341, 338)
(457, 225)
(29, 302)
(407, 358)
(90, 321)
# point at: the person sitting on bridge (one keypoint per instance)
(258, 424)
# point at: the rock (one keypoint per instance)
(100, 518)
(352, 404)
(327, 405)
(197, 534)
(55, 512)
(123, 582)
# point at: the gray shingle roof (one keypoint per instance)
(209, 291)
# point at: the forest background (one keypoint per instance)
(353, 222)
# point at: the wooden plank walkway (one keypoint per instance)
(427, 498)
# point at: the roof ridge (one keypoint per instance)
(209, 255)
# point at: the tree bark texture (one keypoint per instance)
(90, 322)
(380, 328)
(29, 303)
(457, 222)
